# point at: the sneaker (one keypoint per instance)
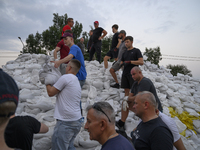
(116, 85)
(119, 127)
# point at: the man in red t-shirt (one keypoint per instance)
(64, 51)
(70, 23)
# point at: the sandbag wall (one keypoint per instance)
(179, 95)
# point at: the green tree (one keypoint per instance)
(153, 54)
(179, 69)
(51, 36)
(77, 29)
(34, 44)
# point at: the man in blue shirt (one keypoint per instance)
(74, 53)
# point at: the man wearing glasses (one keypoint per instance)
(96, 39)
(101, 127)
(70, 23)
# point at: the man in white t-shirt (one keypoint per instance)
(67, 109)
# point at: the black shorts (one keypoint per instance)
(127, 81)
(112, 54)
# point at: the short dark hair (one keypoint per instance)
(75, 64)
(69, 19)
(115, 26)
(129, 38)
(123, 32)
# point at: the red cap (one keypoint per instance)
(96, 22)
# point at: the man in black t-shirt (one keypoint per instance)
(141, 84)
(96, 39)
(20, 129)
(113, 52)
(130, 58)
(152, 132)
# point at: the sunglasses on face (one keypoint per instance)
(97, 107)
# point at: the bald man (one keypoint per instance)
(152, 132)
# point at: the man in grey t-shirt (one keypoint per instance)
(116, 66)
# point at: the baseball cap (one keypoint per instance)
(8, 88)
(122, 31)
(66, 34)
(96, 22)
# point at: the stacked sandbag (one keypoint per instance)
(179, 95)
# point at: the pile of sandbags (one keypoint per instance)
(179, 95)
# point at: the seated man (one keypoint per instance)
(9, 95)
(152, 132)
(141, 84)
(20, 130)
(101, 127)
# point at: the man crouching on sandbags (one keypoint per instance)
(67, 109)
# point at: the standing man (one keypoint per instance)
(64, 51)
(9, 94)
(67, 109)
(141, 84)
(81, 45)
(116, 66)
(70, 23)
(101, 127)
(96, 39)
(113, 52)
(152, 132)
(74, 53)
(130, 58)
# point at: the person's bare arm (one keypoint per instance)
(119, 42)
(138, 62)
(179, 145)
(104, 34)
(51, 90)
(43, 128)
(55, 52)
(64, 60)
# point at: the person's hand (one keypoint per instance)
(128, 62)
(125, 104)
(100, 38)
(56, 63)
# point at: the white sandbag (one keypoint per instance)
(28, 86)
(49, 74)
(189, 105)
(84, 93)
(191, 112)
(43, 105)
(106, 84)
(180, 125)
(179, 110)
(196, 123)
(12, 66)
(98, 84)
(43, 143)
(92, 92)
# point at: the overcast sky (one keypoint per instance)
(174, 25)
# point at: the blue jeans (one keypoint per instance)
(64, 134)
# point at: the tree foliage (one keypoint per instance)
(51, 36)
(34, 44)
(179, 69)
(154, 55)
